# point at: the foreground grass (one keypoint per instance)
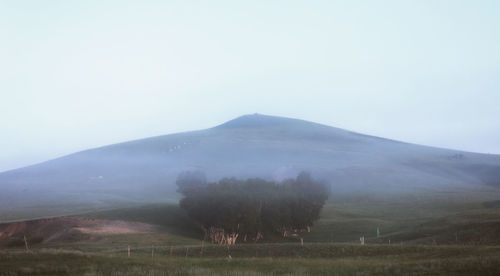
(342, 259)
(431, 234)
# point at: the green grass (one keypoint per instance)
(276, 259)
(431, 233)
(446, 218)
(421, 218)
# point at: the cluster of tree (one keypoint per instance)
(233, 208)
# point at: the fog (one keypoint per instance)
(268, 147)
(249, 137)
(79, 75)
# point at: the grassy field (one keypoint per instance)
(427, 233)
(277, 259)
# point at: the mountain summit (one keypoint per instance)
(259, 120)
(248, 146)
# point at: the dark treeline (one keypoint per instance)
(234, 209)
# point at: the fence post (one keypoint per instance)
(202, 245)
(26, 243)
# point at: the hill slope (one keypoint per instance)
(248, 146)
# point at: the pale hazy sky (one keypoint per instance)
(82, 74)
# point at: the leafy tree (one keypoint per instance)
(253, 206)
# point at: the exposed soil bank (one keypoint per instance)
(66, 229)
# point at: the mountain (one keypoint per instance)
(248, 146)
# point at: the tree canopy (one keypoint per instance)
(254, 206)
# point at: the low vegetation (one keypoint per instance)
(429, 233)
(275, 259)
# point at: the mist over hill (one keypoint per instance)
(248, 146)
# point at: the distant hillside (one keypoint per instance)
(248, 146)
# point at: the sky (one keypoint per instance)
(81, 74)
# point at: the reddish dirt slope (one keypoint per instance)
(66, 229)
